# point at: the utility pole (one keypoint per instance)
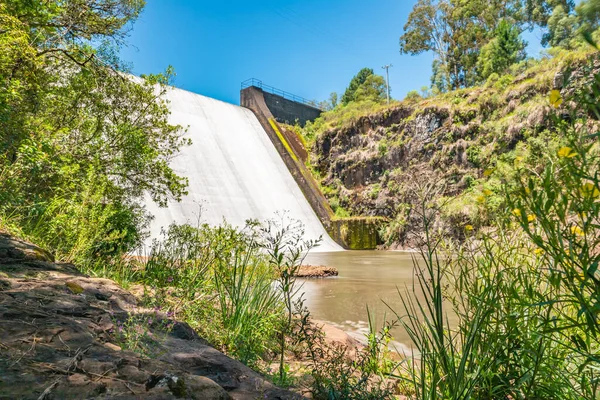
(387, 80)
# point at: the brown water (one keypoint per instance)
(366, 278)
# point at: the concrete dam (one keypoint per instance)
(235, 170)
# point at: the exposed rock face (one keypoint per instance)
(375, 164)
(57, 342)
(387, 163)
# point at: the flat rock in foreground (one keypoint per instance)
(56, 341)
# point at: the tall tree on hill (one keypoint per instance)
(355, 83)
(456, 31)
(504, 50)
(373, 89)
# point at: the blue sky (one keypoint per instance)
(309, 48)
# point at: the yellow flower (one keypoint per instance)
(555, 98)
(488, 172)
(518, 160)
(468, 227)
(530, 218)
(589, 190)
(566, 152)
(481, 199)
(575, 230)
(538, 252)
(517, 212)
(487, 192)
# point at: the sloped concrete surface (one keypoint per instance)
(234, 171)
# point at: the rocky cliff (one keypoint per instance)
(387, 162)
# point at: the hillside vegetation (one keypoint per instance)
(497, 186)
(458, 147)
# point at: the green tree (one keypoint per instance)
(355, 83)
(333, 99)
(80, 140)
(373, 89)
(562, 28)
(504, 50)
(454, 31)
(427, 29)
(457, 31)
(539, 12)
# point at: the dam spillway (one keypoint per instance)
(234, 171)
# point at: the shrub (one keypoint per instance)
(525, 294)
(218, 274)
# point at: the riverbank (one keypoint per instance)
(67, 335)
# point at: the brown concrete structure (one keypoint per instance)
(285, 107)
(351, 233)
(253, 99)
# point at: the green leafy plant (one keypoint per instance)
(142, 333)
(283, 240)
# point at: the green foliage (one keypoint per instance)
(342, 372)
(474, 39)
(286, 249)
(194, 265)
(558, 210)
(413, 95)
(373, 89)
(80, 141)
(357, 81)
(562, 28)
(455, 31)
(142, 333)
(473, 155)
(504, 50)
(382, 148)
(525, 294)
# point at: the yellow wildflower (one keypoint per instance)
(468, 227)
(538, 252)
(566, 152)
(575, 230)
(555, 98)
(487, 192)
(589, 190)
(517, 212)
(530, 218)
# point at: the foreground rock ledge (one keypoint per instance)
(55, 342)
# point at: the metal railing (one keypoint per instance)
(253, 82)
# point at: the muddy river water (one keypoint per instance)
(366, 278)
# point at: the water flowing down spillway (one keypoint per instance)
(234, 171)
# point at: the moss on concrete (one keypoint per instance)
(282, 139)
(357, 233)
